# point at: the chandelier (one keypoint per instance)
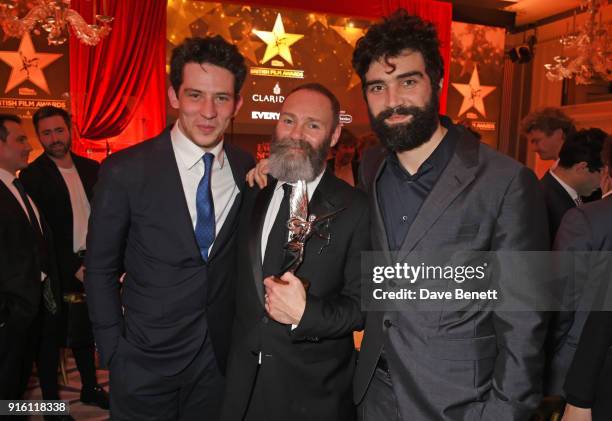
(589, 50)
(54, 17)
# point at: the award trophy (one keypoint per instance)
(301, 227)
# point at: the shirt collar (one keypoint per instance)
(311, 186)
(607, 194)
(569, 189)
(7, 177)
(188, 153)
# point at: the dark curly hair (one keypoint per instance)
(583, 146)
(398, 32)
(606, 154)
(50, 111)
(213, 50)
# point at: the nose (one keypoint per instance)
(28, 146)
(393, 99)
(296, 132)
(208, 109)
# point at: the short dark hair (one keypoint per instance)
(51, 111)
(398, 32)
(548, 120)
(3, 130)
(212, 50)
(583, 146)
(606, 154)
(317, 87)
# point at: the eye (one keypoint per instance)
(314, 126)
(194, 95)
(287, 120)
(222, 98)
(377, 87)
(408, 82)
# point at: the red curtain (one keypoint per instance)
(122, 77)
(438, 12)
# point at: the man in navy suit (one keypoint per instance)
(164, 214)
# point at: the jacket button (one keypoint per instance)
(388, 323)
(264, 319)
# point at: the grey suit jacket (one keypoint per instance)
(588, 228)
(455, 365)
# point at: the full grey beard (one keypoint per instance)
(291, 165)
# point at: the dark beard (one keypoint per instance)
(410, 135)
(57, 153)
(289, 165)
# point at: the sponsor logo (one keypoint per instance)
(264, 115)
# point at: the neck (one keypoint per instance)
(565, 175)
(8, 169)
(413, 159)
(63, 162)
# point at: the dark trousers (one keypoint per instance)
(379, 402)
(138, 393)
(17, 348)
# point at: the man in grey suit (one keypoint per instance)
(433, 188)
(587, 228)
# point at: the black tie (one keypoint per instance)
(275, 248)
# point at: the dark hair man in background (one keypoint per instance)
(164, 213)
(61, 183)
(29, 290)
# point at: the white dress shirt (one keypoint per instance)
(80, 206)
(274, 207)
(569, 189)
(7, 178)
(191, 170)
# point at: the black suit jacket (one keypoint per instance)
(558, 201)
(453, 364)
(588, 228)
(170, 299)
(20, 287)
(308, 371)
(45, 184)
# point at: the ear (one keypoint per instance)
(238, 105)
(173, 97)
(335, 135)
(581, 166)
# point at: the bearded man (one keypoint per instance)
(292, 354)
(435, 188)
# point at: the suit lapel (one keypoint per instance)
(239, 170)
(84, 175)
(169, 185)
(12, 202)
(457, 175)
(258, 217)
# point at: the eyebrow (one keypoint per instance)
(287, 113)
(193, 90)
(400, 76)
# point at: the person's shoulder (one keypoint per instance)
(86, 162)
(599, 209)
(239, 155)
(140, 153)
(343, 192)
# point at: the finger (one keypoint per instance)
(250, 178)
(261, 180)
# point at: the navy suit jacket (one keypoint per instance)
(170, 299)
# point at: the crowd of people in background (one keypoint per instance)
(169, 260)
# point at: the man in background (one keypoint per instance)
(576, 175)
(26, 263)
(61, 183)
(546, 130)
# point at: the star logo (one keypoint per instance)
(278, 41)
(473, 94)
(27, 64)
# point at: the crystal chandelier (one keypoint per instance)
(54, 17)
(591, 47)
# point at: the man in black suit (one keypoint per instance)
(164, 214)
(61, 183)
(434, 188)
(26, 259)
(588, 386)
(292, 355)
(577, 174)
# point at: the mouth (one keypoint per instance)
(205, 128)
(398, 119)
